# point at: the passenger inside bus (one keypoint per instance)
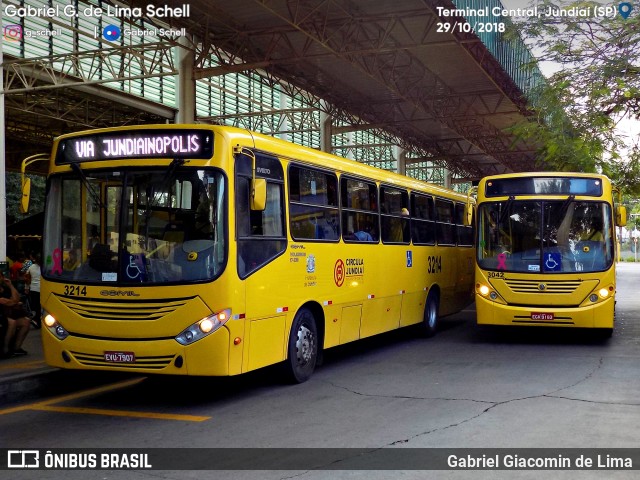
(499, 239)
(94, 239)
(590, 252)
(594, 231)
(72, 261)
(365, 234)
(398, 231)
(202, 227)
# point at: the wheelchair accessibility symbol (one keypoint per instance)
(135, 270)
(552, 262)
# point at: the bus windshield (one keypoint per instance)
(152, 226)
(545, 236)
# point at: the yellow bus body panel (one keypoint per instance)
(209, 356)
(598, 315)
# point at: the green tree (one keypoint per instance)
(595, 86)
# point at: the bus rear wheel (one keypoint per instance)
(302, 348)
(430, 320)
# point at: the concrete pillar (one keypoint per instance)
(401, 160)
(350, 153)
(447, 178)
(284, 120)
(325, 132)
(185, 59)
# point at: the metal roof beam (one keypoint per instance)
(200, 73)
(88, 68)
(400, 72)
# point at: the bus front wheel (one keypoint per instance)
(303, 347)
(430, 320)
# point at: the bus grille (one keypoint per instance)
(102, 309)
(551, 286)
(93, 360)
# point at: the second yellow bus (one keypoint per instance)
(546, 249)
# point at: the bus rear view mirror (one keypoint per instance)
(621, 216)
(468, 215)
(468, 207)
(26, 194)
(258, 194)
(26, 181)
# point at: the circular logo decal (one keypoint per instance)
(338, 273)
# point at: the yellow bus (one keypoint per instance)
(210, 250)
(546, 250)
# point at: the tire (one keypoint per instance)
(430, 319)
(303, 347)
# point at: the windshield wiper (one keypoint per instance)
(173, 166)
(85, 181)
(565, 205)
(505, 210)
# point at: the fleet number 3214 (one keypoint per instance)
(434, 264)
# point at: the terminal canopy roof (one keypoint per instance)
(381, 64)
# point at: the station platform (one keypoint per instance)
(23, 373)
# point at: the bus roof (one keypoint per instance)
(281, 148)
(532, 184)
(546, 174)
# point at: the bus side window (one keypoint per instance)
(394, 206)
(313, 204)
(464, 233)
(445, 232)
(360, 219)
(422, 221)
(260, 234)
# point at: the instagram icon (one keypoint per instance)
(12, 33)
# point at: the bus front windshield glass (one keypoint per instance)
(550, 236)
(135, 226)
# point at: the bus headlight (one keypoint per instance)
(484, 290)
(203, 327)
(54, 326)
(601, 294)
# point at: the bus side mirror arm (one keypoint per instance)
(468, 207)
(258, 186)
(26, 181)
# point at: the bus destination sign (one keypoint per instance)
(136, 144)
(585, 186)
